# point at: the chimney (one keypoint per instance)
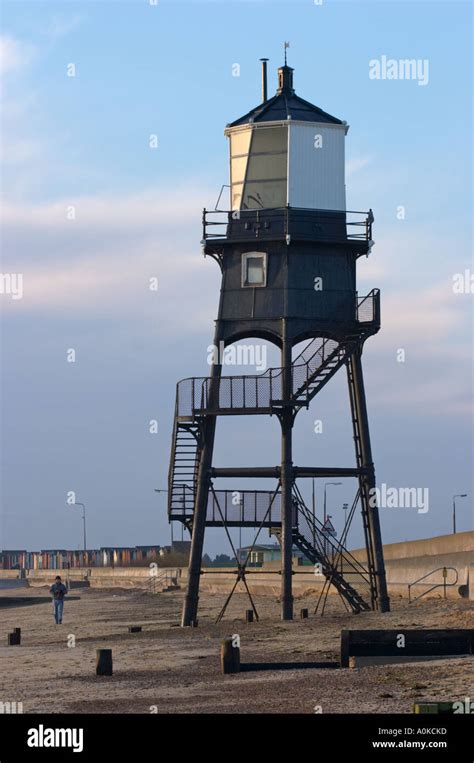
(264, 79)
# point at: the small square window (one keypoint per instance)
(254, 269)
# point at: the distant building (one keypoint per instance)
(58, 559)
(182, 547)
(266, 552)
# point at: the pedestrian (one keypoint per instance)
(58, 591)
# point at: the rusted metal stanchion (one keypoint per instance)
(14, 639)
(230, 656)
(104, 662)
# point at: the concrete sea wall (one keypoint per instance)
(405, 562)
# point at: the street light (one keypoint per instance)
(325, 515)
(345, 532)
(458, 495)
(241, 504)
(159, 490)
(78, 503)
(325, 486)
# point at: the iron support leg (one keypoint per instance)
(367, 482)
(190, 606)
(286, 421)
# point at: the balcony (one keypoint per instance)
(289, 223)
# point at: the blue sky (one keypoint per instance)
(83, 141)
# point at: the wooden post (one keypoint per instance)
(345, 642)
(433, 708)
(419, 642)
(304, 613)
(103, 662)
(249, 616)
(230, 656)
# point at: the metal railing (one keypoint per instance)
(324, 224)
(248, 392)
(339, 566)
(251, 507)
(181, 495)
(368, 307)
(163, 577)
(245, 392)
(237, 507)
(316, 355)
(443, 585)
(332, 550)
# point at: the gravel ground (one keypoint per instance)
(168, 669)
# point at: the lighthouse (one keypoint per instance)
(287, 249)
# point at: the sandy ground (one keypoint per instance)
(169, 669)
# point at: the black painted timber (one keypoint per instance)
(420, 642)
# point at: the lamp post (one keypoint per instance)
(159, 490)
(458, 495)
(325, 515)
(78, 503)
(345, 507)
(325, 486)
(241, 504)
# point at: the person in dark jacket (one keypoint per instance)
(58, 591)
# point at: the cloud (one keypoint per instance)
(434, 376)
(101, 263)
(424, 316)
(61, 26)
(23, 152)
(143, 210)
(14, 54)
(356, 164)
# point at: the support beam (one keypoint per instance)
(367, 481)
(286, 421)
(190, 606)
(275, 471)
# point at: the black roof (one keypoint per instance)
(286, 104)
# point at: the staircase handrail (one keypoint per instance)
(436, 585)
(336, 547)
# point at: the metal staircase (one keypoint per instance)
(336, 562)
(237, 394)
(184, 466)
(199, 397)
(316, 365)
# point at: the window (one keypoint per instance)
(259, 158)
(254, 269)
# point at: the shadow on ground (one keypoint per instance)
(20, 601)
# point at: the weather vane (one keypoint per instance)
(285, 46)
